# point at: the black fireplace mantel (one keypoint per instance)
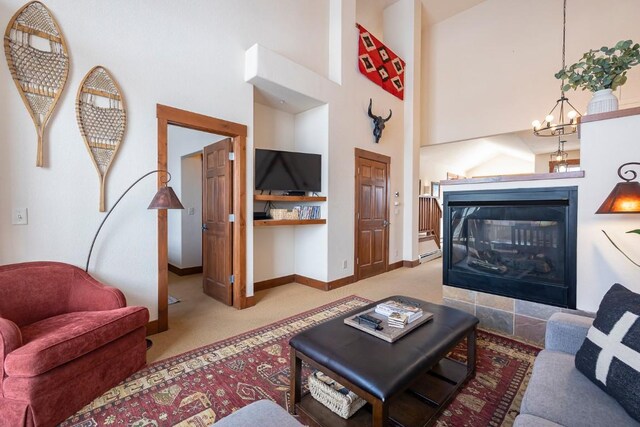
(519, 243)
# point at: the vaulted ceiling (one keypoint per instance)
(435, 11)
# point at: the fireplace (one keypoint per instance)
(519, 243)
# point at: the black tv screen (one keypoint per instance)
(287, 171)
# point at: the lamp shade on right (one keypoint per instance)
(624, 198)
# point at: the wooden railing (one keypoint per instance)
(429, 217)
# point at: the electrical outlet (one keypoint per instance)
(19, 216)
(192, 211)
(344, 264)
(395, 253)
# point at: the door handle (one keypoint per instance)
(385, 223)
(204, 227)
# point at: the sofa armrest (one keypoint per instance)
(566, 332)
(10, 340)
(88, 294)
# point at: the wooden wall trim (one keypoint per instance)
(168, 115)
(609, 115)
(184, 271)
(307, 281)
(411, 264)
(272, 283)
(338, 283)
(152, 327)
(240, 223)
(163, 244)
(191, 120)
(303, 280)
(372, 156)
(395, 265)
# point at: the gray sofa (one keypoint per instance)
(558, 394)
(263, 413)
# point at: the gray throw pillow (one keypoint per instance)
(610, 355)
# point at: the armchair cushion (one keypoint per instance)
(610, 354)
(57, 340)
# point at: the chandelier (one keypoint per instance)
(559, 158)
(567, 116)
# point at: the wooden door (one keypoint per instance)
(372, 214)
(217, 236)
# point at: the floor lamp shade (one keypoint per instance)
(165, 198)
(625, 196)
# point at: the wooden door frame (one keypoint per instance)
(173, 116)
(369, 155)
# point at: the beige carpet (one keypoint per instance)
(199, 320)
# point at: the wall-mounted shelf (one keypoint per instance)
(270, 198)
(275, 222)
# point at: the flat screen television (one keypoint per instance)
(287, 171)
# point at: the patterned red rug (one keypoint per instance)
(206, 384)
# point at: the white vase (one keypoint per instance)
(602, 101)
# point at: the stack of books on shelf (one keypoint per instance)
(398, 314)
(308, 212)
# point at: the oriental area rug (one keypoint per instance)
(206, 384)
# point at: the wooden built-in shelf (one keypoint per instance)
(280, 198)
(275, 222)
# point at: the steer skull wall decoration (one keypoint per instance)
(378, 122)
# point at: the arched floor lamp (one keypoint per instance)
(165, 198)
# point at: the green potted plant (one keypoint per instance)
(601, 72)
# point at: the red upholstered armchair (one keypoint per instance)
(65, 339)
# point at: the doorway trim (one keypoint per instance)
(173, 116)
(370, 155)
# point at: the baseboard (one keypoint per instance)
(338, 283)
(153, 327)
(307, 281)
(251, 301)
(395, 265)
(272, 283)
(303, 280)
(411, 264)
(184, 271)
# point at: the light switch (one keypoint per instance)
(19, 216)
(192, 211)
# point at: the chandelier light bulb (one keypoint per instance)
(536, 124)
(549, 118)
(572, 114)
(558, 157)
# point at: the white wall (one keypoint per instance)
(599, 264)
(311, 243)
(191, 198)
(491, 67)
(502, 164)
(187, 54)
(182, 142)
(495, 155)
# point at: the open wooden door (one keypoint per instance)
(372, 214)
(217, 235)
